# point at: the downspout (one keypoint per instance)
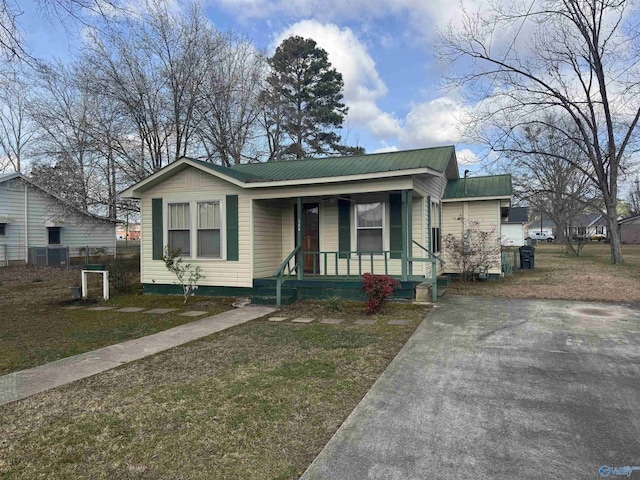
(26, 226)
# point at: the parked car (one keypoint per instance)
(598, 237)
(541, 236)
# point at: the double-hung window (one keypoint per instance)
(209, 245)
(180, 228)
(435, 227)
(370, 227)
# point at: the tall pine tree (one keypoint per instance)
(303, 103)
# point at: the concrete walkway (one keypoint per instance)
(491, 388)
(22, 384)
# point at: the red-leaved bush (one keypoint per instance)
(378, 288)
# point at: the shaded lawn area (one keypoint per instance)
(557, 275)
(258, 401)
(36, 329)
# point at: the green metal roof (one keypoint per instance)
(238, 175)
(434, 158)
(471, 187)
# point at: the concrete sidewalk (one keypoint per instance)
(25, 383)
(492, 388)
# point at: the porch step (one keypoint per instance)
(441, 290)
(272, 299)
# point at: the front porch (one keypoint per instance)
(328, 243)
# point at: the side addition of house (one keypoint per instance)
(310, 228)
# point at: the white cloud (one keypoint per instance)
(435, 122)
(386, 149)
(466, 157)
(362, 83)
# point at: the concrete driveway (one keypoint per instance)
(500, 389)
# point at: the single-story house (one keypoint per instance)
(513, 227)
(36, 227)
(630, 230)
(545, 225)
(128, 232)
(589, 225)
(310, 228)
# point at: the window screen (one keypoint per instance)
(180, 228)
(369, 227)
(209, 245)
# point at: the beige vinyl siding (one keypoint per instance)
(77, 231)
(218, 272)
(267, 237)
(486, 212)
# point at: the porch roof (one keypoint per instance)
(491, 186)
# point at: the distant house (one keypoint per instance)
(543, 225)
(128, 232)
(36, 227)
(630, 230)
(311, 228)
(588, 226)
(513, 226)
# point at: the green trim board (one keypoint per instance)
(233, 250)
(157, 229)
(203, 290)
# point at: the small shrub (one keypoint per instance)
(333, 304)
(187, 275)
(123, 273)
(37, 280)
(378, 288)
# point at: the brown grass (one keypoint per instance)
(561, 276)
(258, 401)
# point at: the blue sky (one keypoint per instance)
(383, 48)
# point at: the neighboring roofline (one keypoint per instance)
(628, 219)
(10, 176)
(64, 202)
(130, 192)
(475, 199)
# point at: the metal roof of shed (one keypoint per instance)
(474, 187)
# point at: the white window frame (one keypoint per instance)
(223, 252)
(59, 230)
(383, 227)
(168, 229)
(193, 227)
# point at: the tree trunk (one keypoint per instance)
(614, 234)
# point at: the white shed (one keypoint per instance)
(512, 231)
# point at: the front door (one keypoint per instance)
(310, 235)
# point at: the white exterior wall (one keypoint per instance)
(486, 212)
(43, 210)
(512, 235)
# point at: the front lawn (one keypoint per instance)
(258, 401)
(35, 328)
(561, 276)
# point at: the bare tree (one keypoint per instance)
(16, 128)
(155, 68)
(579, 60)
(553, 186)
(228, 115)
(634, 198)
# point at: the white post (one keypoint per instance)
(105, 284)
(84, 284)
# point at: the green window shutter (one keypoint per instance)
(232, 228)
(157, 229)
(395, 223)
(344, 227)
